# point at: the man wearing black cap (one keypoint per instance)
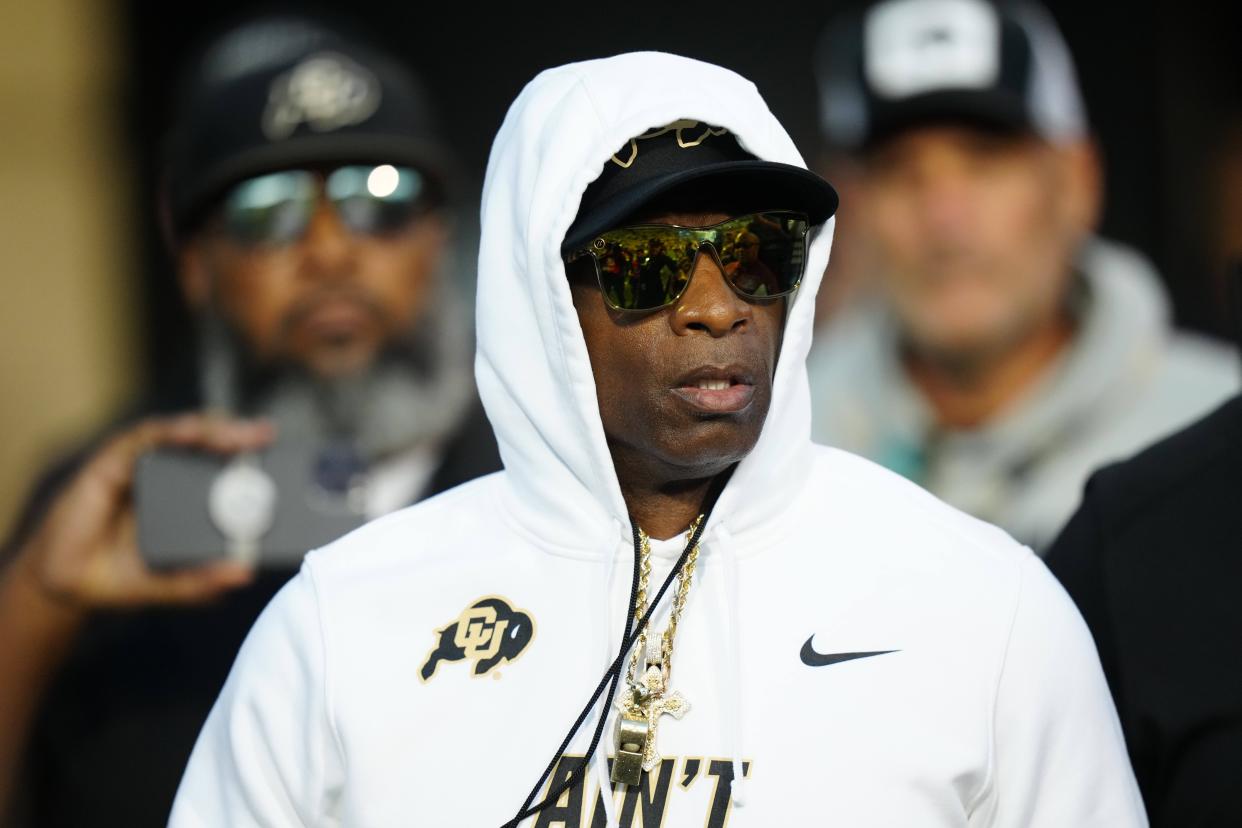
(998, 352)
(670, 608)
(306, 200)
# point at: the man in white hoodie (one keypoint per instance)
(855, 651)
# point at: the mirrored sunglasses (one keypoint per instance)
(276, 208)
(646, 267)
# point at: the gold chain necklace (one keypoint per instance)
(646, 698)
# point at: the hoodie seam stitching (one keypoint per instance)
(988, 785)
(559, 355)
(509, 516)
(321, 627)
(581, 81)
(562, 354)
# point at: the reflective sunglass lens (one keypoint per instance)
(377, 199)
(648, 267)
(764, 254)
(270, 209)
(643, 268)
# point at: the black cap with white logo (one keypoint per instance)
(287, 91)
(901, 63)
(689, 165)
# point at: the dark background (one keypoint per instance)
(1162, 82)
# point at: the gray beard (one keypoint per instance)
(415, 391)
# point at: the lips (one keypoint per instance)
(336, 319)
(716, 390)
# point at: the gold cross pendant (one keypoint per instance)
(675, 705)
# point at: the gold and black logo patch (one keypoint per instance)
(487, 632)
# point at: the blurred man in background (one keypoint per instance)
(998, 351)
(307, 203)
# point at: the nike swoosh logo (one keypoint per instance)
(813, 659)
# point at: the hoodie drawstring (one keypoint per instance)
(728, 598)
(600, 763)
(599, 759)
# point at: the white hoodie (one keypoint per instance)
(980, 700)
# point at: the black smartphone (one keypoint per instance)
(268, 508)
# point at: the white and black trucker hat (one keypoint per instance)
(900, 63)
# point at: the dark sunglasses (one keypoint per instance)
(276, 208)
(648, 266)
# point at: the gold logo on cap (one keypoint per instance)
(681, 127)
(326, 91)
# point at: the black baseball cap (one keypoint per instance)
(284, 91)
(691, 165)
(896, 64)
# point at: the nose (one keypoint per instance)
(945, 199)
(328, 246)
(708, 304)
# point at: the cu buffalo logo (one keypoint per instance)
(487, 632)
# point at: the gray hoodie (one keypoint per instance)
(1127, 379)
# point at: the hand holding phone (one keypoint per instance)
(267, 508)
(85, 551)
